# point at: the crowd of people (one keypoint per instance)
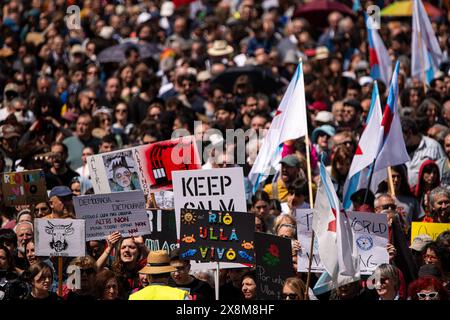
(168, 64)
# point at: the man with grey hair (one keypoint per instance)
(440, 204)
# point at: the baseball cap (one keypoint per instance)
(324, 117)
(60, 191)
(318, 105)
(291, 161)
(420, 242)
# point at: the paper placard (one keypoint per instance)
(431, 229)
(25, 187)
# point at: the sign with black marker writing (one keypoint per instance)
(60, 237)
(163, 231)
(106, 213)
(273, 265)
(217, 236)
(371, 238)
(25, 187)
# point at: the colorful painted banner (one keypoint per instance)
(25, 187)
(106, 213)
(148, 168)
(371, 237)
(163, 231)
(217, 236)
(273, 265)
(60, 237)
(431, 229)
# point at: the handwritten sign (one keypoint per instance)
(273, 265)
(148, 167)
(163, 231)
(213, 235)
(106, 213)
(431, 229)
(371, 238)
(25, 187)
(60, 237)
(215, 189)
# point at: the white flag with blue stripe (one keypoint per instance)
(426, 54)
(288, 123)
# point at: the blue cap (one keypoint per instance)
(60, 191)
(326, 128)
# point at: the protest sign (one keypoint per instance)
(431, 229)
(148, 167)
(217, 236)
(60, 237)
(163, 231)
(214, 189)
(162, 199)
(106, 213)
(25, 187)
(273, 265)
(371, 238)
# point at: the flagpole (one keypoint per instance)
(311, 204)
(391, 181)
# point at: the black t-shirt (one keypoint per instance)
(229, 292)
(65, 178)
(52, 297)
(199, 290)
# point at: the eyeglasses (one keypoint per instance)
(291, 296)
(126, 174)
(429, 295)
(389, 206)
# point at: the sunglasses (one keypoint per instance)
(430, 295)
(292, 296)
(382, 281)
(389, 206)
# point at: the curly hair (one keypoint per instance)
(118, 266)
(424, 283)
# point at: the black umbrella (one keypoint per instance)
(117, 53)
(261, 79)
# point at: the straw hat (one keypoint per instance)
(157, 262)
(220, 48)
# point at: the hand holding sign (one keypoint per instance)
(113, 238)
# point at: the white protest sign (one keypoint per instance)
(212, 189)
(106, 213)
(371, 238)
(60, 237)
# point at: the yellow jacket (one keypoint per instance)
(159, 292)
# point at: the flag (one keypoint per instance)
(393, 150)
(379, 61)
(288, 123)
(366, 152)
(337, 249)
(426, 55)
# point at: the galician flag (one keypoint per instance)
(367, 150)
(289, 123)
(426, 55)
(379, 61)
(393, 150)
(337, 249)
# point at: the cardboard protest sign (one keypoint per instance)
(431, 229)
(25, 187)
(148, 167)
(273, 265)
(60, 237)
(163, 231)
(371, 238)
(106, 213)
(217, 236)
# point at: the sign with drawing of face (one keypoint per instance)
(60, 237)
(122, 175)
